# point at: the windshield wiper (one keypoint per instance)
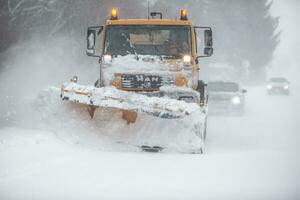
(131, 46)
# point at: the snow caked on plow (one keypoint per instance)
(110, 97)
(164, 123)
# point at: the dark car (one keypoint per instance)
(226, 97)
(278, 85)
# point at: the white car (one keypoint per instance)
(278, 85)
(226, 97)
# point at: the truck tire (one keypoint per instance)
(201, 89)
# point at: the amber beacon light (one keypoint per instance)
(114, 14)
(183, 15)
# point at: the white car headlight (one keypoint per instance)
(187, 59)
(107, 58)
(286, 87)
(236, 100)
(269, 87)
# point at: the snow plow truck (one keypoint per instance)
(148, 67)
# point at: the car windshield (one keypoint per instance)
(156, 40)
(278, 80)
(223, 87)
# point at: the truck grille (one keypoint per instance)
(145, 82)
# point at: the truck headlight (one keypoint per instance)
(286, 87)
(107, 58)
(187, 59)
(269, 87)
(236, 100)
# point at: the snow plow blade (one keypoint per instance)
(110, 97)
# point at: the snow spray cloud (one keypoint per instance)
(31, 66)
(30, 86)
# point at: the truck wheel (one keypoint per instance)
(201, 89)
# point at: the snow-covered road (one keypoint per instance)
(250, 157)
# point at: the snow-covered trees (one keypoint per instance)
(22, 19)
(244, 31)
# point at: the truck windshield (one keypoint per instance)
(278, 80)
(223, 87)
(156, 40)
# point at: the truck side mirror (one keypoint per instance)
(91, 40)
(207, 44)
(208, 51)
(208, 38)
